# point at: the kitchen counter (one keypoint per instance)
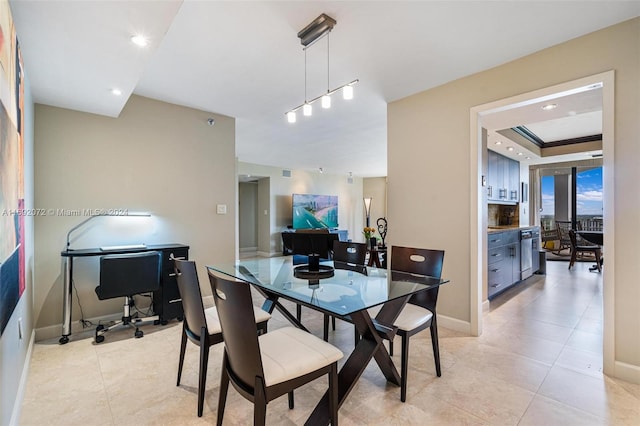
(501, 228)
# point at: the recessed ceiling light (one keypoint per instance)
(549, 107)
(520, 153)
(116, 92)
(498, 143)
(509, 148)
(139, 40)
(528, 158)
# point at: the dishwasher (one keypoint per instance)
(526, 253)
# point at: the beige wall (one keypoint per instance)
(350, 206)
(154, 157)
(429, 158)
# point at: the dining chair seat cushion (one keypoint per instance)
(288, 353)
(411, 316)
(213, 323)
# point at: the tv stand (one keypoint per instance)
(288, 236)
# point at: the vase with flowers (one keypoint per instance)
(368, 232)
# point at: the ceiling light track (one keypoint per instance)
(310, 34)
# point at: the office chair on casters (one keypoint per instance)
(124, 275)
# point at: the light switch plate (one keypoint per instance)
(221, 209)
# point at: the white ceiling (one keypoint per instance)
(243, 59)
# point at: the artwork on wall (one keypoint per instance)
(12, 218)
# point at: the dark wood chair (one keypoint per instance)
(262, 368)
(201, 326)
(350, 256)
(563, 227)
(308, 241)
(579, 248)
(420, 312)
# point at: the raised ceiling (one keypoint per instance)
(244, 59)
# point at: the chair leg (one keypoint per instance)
(435, 345)
(224, 387)
(404, 361)
(204, 361)
(333, 394)
(325, 328)
(298, 312)
(291, 402)
(183, 348)
(391, 347)
(574, 255)
(259, 403)
(333, 323)
(356, 335)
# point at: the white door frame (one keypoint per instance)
(478, 220)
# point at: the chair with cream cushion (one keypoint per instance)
(201, 326)
(262, 368)
(420, 312)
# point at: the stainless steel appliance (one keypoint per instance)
(526, 249)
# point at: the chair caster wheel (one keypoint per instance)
(63, 340)
(99, 339)
(156, 322)
(100, 327)
(138, 334)
(164, 322)
(179, 319)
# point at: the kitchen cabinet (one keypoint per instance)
(503, 261)
(503, 179)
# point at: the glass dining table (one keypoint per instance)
(341, 290)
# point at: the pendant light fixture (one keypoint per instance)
(317, 29)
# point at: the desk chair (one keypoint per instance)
(420, 312)
(124, 275)
(350, 256)
(263, 368)
(201, 326)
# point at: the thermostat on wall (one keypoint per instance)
(221, 209)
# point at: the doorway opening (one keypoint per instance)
(478, 146)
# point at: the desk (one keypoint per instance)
(347, 295)
(166, 301)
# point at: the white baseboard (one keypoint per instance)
(627, 372)
(22, 386)
(486, 306)
(454, 324)
(248, 249)
(268, 254)
(53, 331)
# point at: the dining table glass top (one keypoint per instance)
(342, 292)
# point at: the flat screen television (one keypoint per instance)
(315, 211)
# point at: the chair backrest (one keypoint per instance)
(350, 256)
(563, 227)
(305, 243)
(189, 288)
(237, 320)
(349, 252)
(423, 262)
(128, 274)
(417, 260)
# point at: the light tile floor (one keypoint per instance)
(539, 362)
